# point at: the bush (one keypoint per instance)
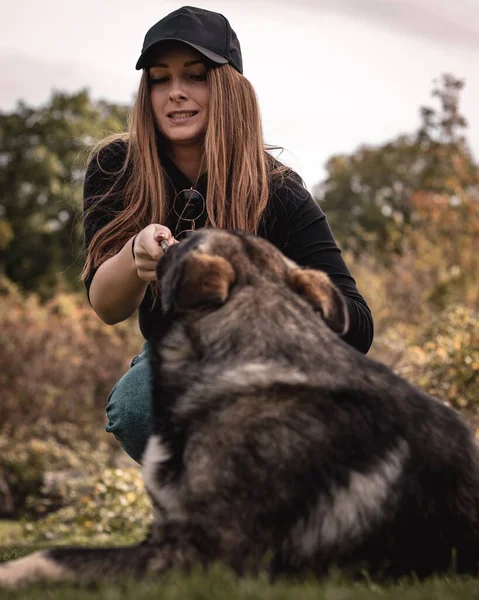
(59, 361)
(116, 503)
(445, 361)
(39, 461)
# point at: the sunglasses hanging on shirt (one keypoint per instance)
(193, 207)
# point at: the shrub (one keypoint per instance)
(39, 461)
(445, 361)
(116, 503)
(59, 361)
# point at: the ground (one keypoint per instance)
(220, 584)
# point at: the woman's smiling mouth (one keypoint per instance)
(182, 115)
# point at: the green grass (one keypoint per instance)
(220, 584)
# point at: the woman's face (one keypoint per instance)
(179, 94)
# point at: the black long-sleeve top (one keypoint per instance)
(292, 221)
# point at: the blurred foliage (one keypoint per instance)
(445, 360)
(39, 462)
(116, 503)
(59, 361)
(43, 154)
(377, 196)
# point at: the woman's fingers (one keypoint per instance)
(146, 267)
(149, 239)
(164, 245)
(150, 245)
(147, 275)
(161, 232)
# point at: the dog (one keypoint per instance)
(275, 445)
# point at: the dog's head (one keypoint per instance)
(204, 270)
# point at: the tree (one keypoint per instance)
(43, 154)
(371, 197)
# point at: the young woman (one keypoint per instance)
(194, 156)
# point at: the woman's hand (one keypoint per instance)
(147, 249)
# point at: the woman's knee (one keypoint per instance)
(128, 408)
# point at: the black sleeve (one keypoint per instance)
(299, 228)
(101, 175)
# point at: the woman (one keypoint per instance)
(194, 156)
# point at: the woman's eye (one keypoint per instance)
(157, 80)
(198, 76)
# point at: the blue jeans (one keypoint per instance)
(128, 406)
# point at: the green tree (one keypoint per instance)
(371, 196)
(43, 154)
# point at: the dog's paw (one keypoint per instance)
(35, 567)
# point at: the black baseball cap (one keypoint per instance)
(208, 32)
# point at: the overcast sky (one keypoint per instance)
(329, 74)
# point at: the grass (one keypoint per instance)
(220, 584)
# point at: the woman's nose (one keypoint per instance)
(177, 92)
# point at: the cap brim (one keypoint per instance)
(209, 54)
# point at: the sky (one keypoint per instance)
(330, 75)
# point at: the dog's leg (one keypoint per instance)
(36, 567)
(75, 564)
(86, 565)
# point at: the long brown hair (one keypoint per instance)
(238, 165)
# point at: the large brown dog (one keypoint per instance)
(271, 437)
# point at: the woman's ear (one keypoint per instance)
(323, 295)
(204, 280)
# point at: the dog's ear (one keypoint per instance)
(323, 295)
(205, 280)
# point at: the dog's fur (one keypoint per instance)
(271, 437)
